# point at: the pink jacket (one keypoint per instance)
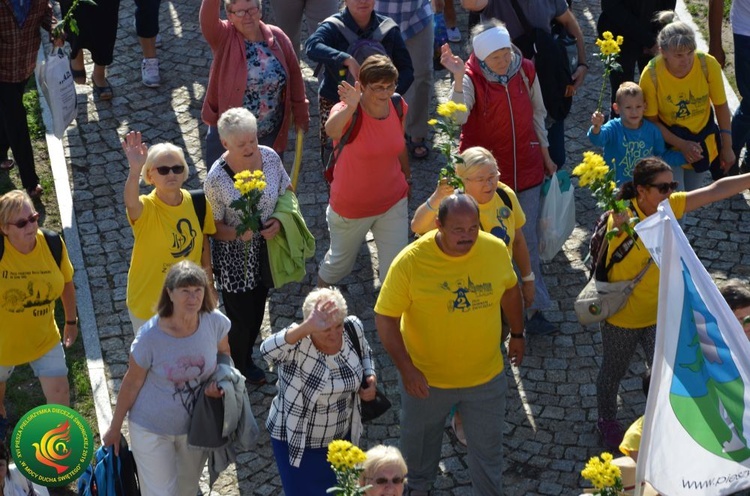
(227, 80)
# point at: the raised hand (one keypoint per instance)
(452, 62)
(135, 150)
(350, 94)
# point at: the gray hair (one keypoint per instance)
(475, 158)
(325, 294)
(238, 120)
(382, 456)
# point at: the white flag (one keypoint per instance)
(696, 430)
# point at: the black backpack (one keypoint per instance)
(54, 242)
(361, 48)
(199, 205)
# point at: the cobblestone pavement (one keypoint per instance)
(550, 421)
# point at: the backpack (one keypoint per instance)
(652, 67)
(351, 133)
(54, 242)
(361, 48)
(599, 245)
(199, 205)
(111, 475)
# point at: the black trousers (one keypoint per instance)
(14, 132)
(245, 310)
(628, 60)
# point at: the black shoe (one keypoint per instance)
(254, 374)
(538, 325)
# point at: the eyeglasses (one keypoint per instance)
(484, 180)
(382, 481)
(665, 187)
(382, 89)
(163, 170)
(242, 12)
(33, 218)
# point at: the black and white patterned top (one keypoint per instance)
(235, 263)
(315, 403)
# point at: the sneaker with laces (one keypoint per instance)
(538, 325)
(150, 73)
(611, 432)
(454, 34)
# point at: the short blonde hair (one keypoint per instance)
(237, 120)
(158, 151)
(11, 203)
(382, 456)
(325, 294)
(628, 89)
(475, 158)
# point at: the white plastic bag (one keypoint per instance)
(557, 215)
(56, 81)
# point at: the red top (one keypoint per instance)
(368, 180)
(20, 45)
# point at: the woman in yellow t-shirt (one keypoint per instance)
(165, 223)
(653, 182)
(32, 280)
(683, 88)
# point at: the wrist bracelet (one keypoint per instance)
(725, 131)
(583, 64)
(429, 207)
(517, 335)
(529, 278)
(72, 322)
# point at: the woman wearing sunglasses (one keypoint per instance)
(32, 281)
(653, 182)
(384, 471)
(166, 228)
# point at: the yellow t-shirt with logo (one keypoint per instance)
(640, 309)
(450, 308)
(685, 101)
(29, 286)
(500, 220)
(164, 235)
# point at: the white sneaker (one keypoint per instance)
(454, 35)
(150, 73)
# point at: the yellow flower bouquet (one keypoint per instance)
(451, 129)
(346, 460)
(595, 174)
(250, 184)
(604, 475)
(609, 51)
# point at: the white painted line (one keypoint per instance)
(87, 318)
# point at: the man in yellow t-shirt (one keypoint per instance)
(439, 317)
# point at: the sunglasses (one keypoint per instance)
(382, 481)
(665, 187)
(33, 218)
(163, 170)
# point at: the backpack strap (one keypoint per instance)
(382, 30)
(352, 333)
(199, 205)
(525, 80)
(618, 255)
(54, 242)
(652, 68)
(505, 197)
(347, 33)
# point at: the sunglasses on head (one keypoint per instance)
(382, 481)
(665, 187)
(163, 170)
(33, 218)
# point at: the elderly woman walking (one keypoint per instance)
(254, 66)
(320, 379)
(170, 360)
(237, 259)
(166, 223)
(506, 115)
(37, 271)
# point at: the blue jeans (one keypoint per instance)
(556, 138)
(530, 201)
(741, 119)
(483, 414)
(313, 476)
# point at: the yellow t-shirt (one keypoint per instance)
(499, 220)
(685, 101)
(450, 308)
(632, 439)
(164, 235)
(640, 309)
(29, 286)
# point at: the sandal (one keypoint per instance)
(35, 193)
(103, 93)
(79, 75)
(7, 164)
(417, 149)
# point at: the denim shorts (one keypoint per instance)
(51, 364)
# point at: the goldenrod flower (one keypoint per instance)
(432, 122)
(605, 476)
